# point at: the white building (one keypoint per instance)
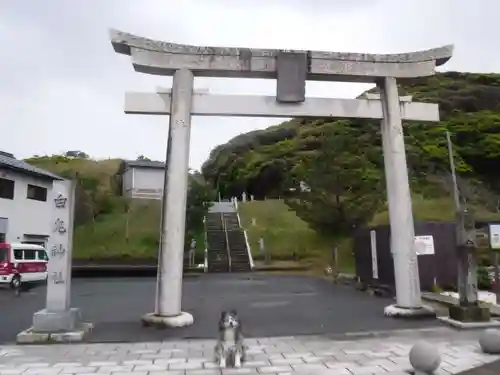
(25, 207)
(142, 179)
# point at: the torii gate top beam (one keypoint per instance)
(163, 58)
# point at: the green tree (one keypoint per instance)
(345, 186)
(198, 197)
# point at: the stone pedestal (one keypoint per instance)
(469, 314)
(469, 317)
(78, 334)
(59, 321)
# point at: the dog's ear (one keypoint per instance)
(223, 315)
(233, 312)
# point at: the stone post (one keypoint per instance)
(264, 250)
(171, 255)
(192, 251)
(408, 297)
(58, 321)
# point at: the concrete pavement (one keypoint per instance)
(384, 355)
(269, 305)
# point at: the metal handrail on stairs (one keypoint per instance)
(247, 243)
(224, 226)
(205, 265)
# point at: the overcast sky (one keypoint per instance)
(62, 86)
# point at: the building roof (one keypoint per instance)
(145, 164)
(126, 164)
(9, 162)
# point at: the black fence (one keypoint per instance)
(439, 268)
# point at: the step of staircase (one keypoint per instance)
(240, 261)
(216, 225)
(217, 257)
(231, 220)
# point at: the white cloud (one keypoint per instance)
(62, 85)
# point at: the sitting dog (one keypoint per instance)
(229, 350)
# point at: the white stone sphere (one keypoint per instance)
(425, 357)
(490, 341)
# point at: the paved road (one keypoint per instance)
(269, 305)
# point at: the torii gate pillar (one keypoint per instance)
(292, 69)
(402, 243)
(173, 214)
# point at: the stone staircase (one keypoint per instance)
(240, 261)
(218, 260)
(225, 234)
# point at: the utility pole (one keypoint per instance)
(468, 309)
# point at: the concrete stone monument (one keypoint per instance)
(59, 322)
(291, 69)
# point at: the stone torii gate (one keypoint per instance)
(291, 69)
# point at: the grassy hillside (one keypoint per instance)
(285, 234)
(120, 235)
(434, 209)
(109, 228)
(103, 170)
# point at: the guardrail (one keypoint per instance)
(224, 226)
(249, 251)
(250, 258)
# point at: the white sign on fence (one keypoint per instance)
(495, 236)
(424, 245)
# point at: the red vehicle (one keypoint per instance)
(22, 264)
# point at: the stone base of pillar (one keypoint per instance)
(184, 319)
(469, 314)
(469, 325)
(79, 334)
(55, 327)
(469, 317)
(56, 321)
(400, 312)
